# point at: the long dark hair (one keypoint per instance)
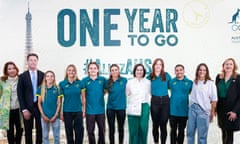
(162, 73)
(110, 81)
(207, 76)
(5, 70)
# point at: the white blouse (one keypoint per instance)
(138, 92)
(14, 104)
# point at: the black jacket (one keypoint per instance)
(25, 89)
(230, 103)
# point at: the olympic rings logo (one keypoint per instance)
(236, 28)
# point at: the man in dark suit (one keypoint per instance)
(26, 90)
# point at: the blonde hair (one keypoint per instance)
(74, 67)
(43, 85)
(235, 68)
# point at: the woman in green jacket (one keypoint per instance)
(10, 113)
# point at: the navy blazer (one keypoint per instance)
(25, 89)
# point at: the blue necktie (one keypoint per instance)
(34, 85)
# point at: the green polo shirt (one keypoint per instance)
(160, 87)
(94, 94)
(49, 105)
(180, 90)
(223, 87)
(117, 94)
(71, 95)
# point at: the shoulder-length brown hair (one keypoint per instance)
(5, 70)
(235, 68)
(162, 74)
(93, 63)
(207, 76)
(135, 69)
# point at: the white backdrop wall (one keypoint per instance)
(203, 29)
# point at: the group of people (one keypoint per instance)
(34, 97)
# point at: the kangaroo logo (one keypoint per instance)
(235, 25)
(236, 21)
(235, 17)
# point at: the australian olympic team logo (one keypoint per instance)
(235, 26)
(236, 21)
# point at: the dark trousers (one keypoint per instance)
(227, 136)
(74, 121)
(120, 115)
(28, 125)
(178, 125)
(14, 123)
(160, 114)
(100, 120)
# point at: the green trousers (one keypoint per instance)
(138, 126)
